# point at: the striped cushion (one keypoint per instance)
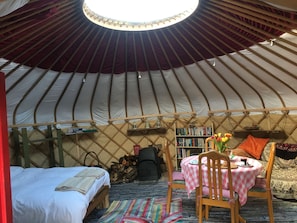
(260, 185)
(260, 182)
(178, 176)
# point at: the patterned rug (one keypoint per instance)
(143, 211)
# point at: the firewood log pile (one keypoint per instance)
(124, 171)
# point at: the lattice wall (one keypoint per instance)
(111, 142)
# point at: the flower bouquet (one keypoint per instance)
(220, 140)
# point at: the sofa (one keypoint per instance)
(284, 173)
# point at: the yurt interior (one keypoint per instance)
(87, 88)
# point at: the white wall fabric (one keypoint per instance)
(8, 6)
(238, 81)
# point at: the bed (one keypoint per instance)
(36, 198)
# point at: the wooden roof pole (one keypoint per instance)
(190, 114)
(5, 188)
(253, 110)
(289, 4)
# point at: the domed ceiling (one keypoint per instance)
(227, 56)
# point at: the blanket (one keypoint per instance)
(82, 181)
(80, 184)
(91, 172)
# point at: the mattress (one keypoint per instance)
(34, 199)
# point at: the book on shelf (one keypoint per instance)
(194, 131)
(182, 152)
(190, 142)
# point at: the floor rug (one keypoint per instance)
(143, 211)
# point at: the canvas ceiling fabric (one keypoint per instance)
(119, 51)
(229, 55)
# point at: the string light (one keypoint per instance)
(139, 75)
(272, 42)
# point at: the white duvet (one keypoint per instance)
(34, 199)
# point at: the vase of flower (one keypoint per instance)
(220, 140)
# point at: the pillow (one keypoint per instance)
(286, 151)
(283, 163)
(240, 152)
(254, 146)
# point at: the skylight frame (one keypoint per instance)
(180, 10)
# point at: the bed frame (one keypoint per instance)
(100, 200)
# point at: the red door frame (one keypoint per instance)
(5, 188)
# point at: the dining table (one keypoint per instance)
(243, 175)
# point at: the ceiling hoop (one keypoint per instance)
(137, 15)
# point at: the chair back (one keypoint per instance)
(269, 165)
(215, 189)
(262, 185)
(209, 144)
(168, 161)
(175, 178)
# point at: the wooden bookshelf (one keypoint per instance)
(190, 140)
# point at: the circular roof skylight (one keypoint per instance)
(138, 15)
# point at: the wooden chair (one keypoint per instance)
(262, 187)
(175, 178)
(209, 144)
(213, 194)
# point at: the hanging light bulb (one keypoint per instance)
(139, 75)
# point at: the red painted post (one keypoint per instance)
(5, 188)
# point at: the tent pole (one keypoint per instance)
(5, 188)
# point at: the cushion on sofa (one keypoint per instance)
(286, 155)
(254, 146)
(279, 162)
(282, 163)
(286, 150)
(266, 152)
(241, 152)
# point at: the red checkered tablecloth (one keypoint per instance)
(243, 178)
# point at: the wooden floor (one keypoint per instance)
(255, 211)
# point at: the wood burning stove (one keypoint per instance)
(148, 164)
